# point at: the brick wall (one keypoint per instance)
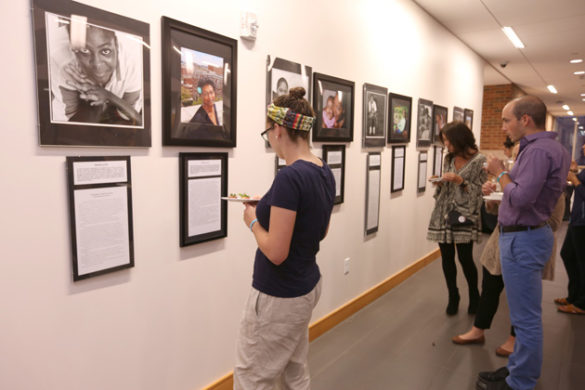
(495, 98)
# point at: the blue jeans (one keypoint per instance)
(523, 255)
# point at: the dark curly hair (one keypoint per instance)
(461, 138)
(295, 101)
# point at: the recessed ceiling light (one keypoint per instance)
(566, 107)
(570, 113)
(511, 34)
(583, 94)
(576, 61)
(552, 89)
(579, 72)
(575, 119)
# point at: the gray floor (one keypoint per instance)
(402, 341)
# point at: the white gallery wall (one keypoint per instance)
(170, 322)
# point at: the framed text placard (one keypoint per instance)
(398, 168)
(422, 171)
(279, 163)
(203, 181)
(93, 76)
(438, 161)
(334, 156)
(199, 86)
(372, 193)
(100, 209)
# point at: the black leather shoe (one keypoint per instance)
(499, 385)
(494, 376)
(453, 306)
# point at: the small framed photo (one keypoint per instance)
(82, 102)
(422, 171)
(440, 115)
(398, 168)
(438, 161)
(334, 156)
(199, 86)
(203, 182)
(400, 108)
(374, 116)
(333, 102)
(100, 209)
(468, 118)
(424, 132)
(458, 115)
(282, 75)
(373, 170)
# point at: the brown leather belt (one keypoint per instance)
(520, 228)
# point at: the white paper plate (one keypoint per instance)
(494, 196)
(243, 200)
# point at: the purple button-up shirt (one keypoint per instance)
(538, 178)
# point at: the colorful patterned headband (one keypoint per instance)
(286, 117)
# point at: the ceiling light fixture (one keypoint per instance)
(579, 72)
(511, 34)
(570, 113)
(566, 107)
(576, 61)
(552, 89)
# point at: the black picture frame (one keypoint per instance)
(440, 119)
(398, 168)
(424, 123)
(99, 189)
(422, 171)
(437, 161)
(373, 179)
(468, 118)
(77, 104)
(334, 156)
(282, 75)
(200, 68)
(458, 114)
(201, 170)
(279, 163)
(342, 97)
(375, 116)
(400, 115)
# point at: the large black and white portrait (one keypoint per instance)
(94, 65)
(424, 125)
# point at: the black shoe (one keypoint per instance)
(473, 304)
(453, 306)
(494, 376)
(498, 385)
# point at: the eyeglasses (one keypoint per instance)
(264, 134)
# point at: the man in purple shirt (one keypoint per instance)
(531, 190)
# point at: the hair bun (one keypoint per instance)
(297, 92)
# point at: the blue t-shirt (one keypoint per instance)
(309, 190)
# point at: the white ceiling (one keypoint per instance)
(553, 32)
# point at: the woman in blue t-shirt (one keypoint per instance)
(288, 223)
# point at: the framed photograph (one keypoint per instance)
(424, 132)
(400, 108)
(438, 161)
(458, 115)
(82, 102)
(282, 75)
(333, 102)
(374, 116)
(440, 115)
(203, 182)
(422, 171)
(468, 118)
(398, 167)
(199, 86)
(372, 193)
(100, 210)
(334, 156)
(279, 163)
